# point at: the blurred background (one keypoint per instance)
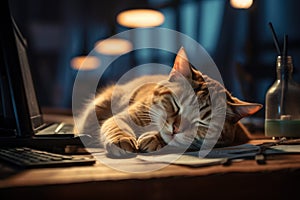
(237, 38)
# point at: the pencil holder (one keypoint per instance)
(282, 112)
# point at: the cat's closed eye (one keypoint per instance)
(200, 123)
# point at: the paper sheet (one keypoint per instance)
(284, 149)
(219, 155)
(183, 160)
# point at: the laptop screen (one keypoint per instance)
(32, 102)
(18, 98)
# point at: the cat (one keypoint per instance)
(153, 111)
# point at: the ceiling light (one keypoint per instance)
(140, 18)
(113, 46)
(241, 4)
(85, 62)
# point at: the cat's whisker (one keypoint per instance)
(155, 114)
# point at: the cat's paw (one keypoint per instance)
(150, 141)
(122, 147)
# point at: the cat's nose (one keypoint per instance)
(175, 129)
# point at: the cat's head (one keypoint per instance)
(185, 100)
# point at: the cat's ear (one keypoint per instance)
(240, 109)
(181, 65)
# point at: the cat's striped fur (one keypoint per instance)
(147, 113)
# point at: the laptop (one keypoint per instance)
(21, 118)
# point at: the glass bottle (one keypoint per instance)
(282, 112)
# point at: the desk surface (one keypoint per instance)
(246, 179)
(278, 176)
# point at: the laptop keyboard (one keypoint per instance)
(31, 158)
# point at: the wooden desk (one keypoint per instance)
(278, 178)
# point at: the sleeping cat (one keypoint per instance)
(150, 112)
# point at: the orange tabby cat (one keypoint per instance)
(153, 111)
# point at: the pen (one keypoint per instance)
(59, 127)
(260, 157)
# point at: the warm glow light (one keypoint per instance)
(113, 46)
(85, 62)
(241, 4)
(140, 18)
